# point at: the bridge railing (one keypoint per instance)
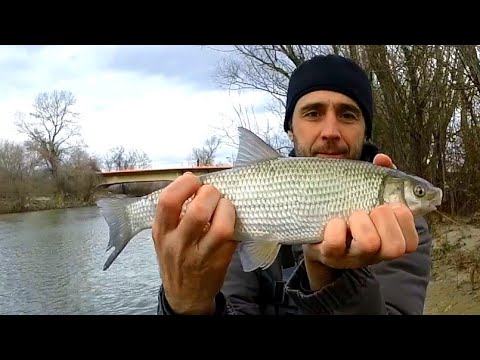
(149, 175)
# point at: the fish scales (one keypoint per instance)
(295, 197)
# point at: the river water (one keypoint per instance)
(51, 263)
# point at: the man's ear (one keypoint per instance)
(290, 135)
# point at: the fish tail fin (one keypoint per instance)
(120, 229)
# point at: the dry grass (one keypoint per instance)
(455, 281)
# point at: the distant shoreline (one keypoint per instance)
(52, 203)
(40, 205)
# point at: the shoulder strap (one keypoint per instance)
(272, 281)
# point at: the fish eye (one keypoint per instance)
(419, 191)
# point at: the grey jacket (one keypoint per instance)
(391, 287)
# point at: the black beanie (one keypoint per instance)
(334, 73)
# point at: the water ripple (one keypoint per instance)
(51, 263)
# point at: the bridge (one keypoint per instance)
(152, 175)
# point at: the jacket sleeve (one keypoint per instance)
(239, 294)
(242, 290)
(391, 287)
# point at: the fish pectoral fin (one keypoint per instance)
(258, 253)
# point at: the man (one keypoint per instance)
(377, 264)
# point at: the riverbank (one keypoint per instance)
(455, 282)
(48, 202)
(42, 203)
(54, 202)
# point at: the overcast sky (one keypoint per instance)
(159, 99)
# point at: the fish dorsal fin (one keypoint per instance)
(252, 149)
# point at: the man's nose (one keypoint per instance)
(330, 130)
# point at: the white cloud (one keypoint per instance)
(158, 113)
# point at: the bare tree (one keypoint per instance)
(205, 156)
(16, 159)
(265, 68)
(50, 127)
(468, 55)
(17, 166)
(119, 158)
(79, 175)
(463, 138)
(79, 157)
(415, 103)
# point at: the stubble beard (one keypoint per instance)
(301, 151)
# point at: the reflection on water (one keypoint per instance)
(51, 263)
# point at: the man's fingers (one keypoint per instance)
(393, 243)
(171, 200)
(199, 212)
(407, 225)
(366, 241)
(383, 160)
(221, 228)
(334, 241)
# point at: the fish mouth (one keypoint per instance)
(437, 202)
(437, 199)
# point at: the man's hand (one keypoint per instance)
(383, 160)
(194, 251)
(387, 233)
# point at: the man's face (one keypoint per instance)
(327, 124)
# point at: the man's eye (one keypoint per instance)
(349, 115)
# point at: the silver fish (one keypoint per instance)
(282, 200)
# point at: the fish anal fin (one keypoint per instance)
(260, 252)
